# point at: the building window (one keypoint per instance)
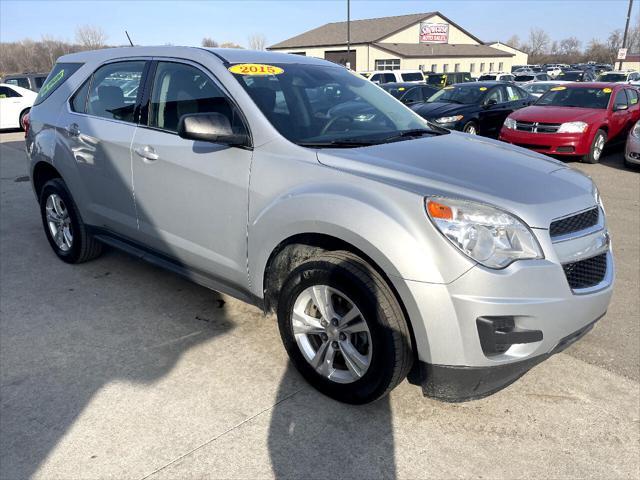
(456, 68)
(389, 64)
(445, 68)
(491, 66)
(482, 66)
(501, 66)
(472, 68)
(434, 68)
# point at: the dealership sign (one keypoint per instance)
(622, 54)
(434, 32)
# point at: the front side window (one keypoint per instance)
(347, 107)
(621, 99)
(114, 90)
(495, 96)
(513, 93)
(580, 97)
(467, 94)
(412, 96)
(180, 89)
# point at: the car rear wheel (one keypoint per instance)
(343, 328)
(23, 115)
(65, 231)
(597, 147)
(471, 128)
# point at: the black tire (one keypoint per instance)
(84, 246)
(391, 354)
(21, 118)
(470, 128)
(594, 156)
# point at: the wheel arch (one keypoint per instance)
(41, 174)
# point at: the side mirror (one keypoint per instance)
(210, 127)
(620, 106)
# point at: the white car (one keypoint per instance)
(389, 76)
(553, 71)
(630, 76)
(537, 89)
(15, 103)
(497, 76)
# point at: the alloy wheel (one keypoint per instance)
(59, 222)
(598, 147)
(332, 334)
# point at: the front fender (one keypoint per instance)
(387, 224)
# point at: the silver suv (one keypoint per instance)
(387, 246)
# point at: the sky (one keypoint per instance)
(186, 22)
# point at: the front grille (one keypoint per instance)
(575, 223)
(537, 127)
(586, 273)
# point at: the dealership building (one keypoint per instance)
(425, 41)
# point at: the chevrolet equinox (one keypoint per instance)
(388, 247)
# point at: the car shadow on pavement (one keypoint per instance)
(313, 436)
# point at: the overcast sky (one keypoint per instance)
(187, 22)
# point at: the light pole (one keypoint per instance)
(349, 33)
(626, 31)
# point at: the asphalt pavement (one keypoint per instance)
(117, 369)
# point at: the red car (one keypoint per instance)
(575, 119)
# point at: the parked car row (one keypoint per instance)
(30, 81)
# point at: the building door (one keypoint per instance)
(341, 57)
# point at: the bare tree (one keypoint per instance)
(538, 42)
(257, 41)
(570, 46)
(209, 42)
(91, 37)
(513, 41)
(230, 45)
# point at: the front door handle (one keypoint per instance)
(73, 130)
(147, 152)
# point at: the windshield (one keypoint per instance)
(570, 76)
(468, 94)
(486, 77)
(538, 88)
(612, 77)
(318, 105)
(412, 77)
(576, 97)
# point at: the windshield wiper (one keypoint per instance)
(415, 132)
(346, 143)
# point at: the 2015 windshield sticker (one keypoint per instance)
(255, 69)
(51, 83)
(607, 90)
(557, 89)
(482, 89)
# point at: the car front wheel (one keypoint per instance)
(471, 128)
(343, 328)
(597, 147)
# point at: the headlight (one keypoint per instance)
(636, 130)
(489, 236)
(573, 127)
(452, 119)
(510, 123)
(597, 197)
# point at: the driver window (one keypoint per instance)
(412, 96)
(495, 94)
(513, 93)
(621, 98)
(180, 89)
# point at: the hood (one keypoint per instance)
(558, 114)
(536, 188)
(439, 109)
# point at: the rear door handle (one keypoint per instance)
(147, 152)
(73, 130)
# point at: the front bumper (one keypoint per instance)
(549, 143)
(533, 295)
(632, 150)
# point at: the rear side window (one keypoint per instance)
(19, 82)
(79, 99)
(114, 90)
(6, 92)
(60, 73)
(412, 77)
(633, 96)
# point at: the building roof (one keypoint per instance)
(362, 31)
(422, 50)
(505, 44)
(631, 57)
